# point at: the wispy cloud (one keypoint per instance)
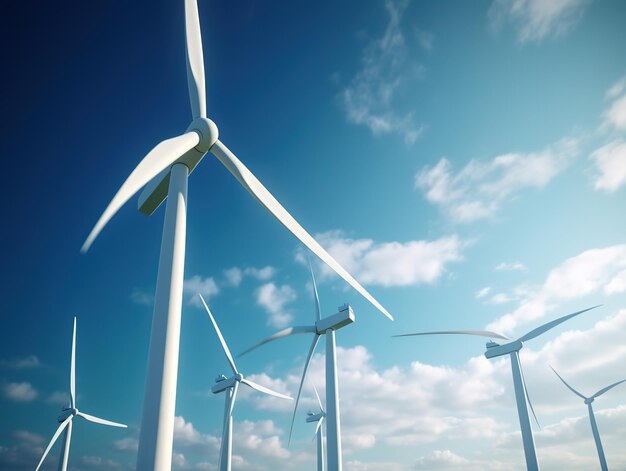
(511, 266)
(207, 287)
(20, 392)
(610, 161)
(30, 361)
(369, 100)
(481, 293)
(235, 275)
(536, 20)
(479, 189)
(58, 397)
(141, 297)
(274, 299)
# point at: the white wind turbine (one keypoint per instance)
(318, 418)
(164, 172)
(230, 387)
(592, 418)
(68, 415)
(512, 348)
(326, 326)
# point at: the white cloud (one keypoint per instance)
(30, 361)
(28, 437)
(610, 161)
(20, 392)
(391, 263)
(387, 67)
(481, 293)
(59, 397)
(513, 266)
(126, 444)
(616, 114)
(537, 19)
(141, 297)
(274, 300)
(500, 298)
(234, 276)
(207, 287)
(479, 189)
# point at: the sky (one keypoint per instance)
(466, 161)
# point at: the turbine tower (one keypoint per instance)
(327, 327)
(318, 418)
(163, 173)
(592, 418)
(230, 387)
(68, 414)
(512, 349)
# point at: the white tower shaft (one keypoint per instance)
(333, 425)
(227, 438)
(522, 410)
(157, 422)
(596, 437)
(320, 450)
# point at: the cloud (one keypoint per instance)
(479, 189)
(536, 20)
(20, 392)
(58, 397)
(514, 266)
(126, 444)
(274, 299)
(481, 293)
(610, 161)
(30, 361)
(207, 287)
(234, 276)
(425, 39)
(141, 297)
(28, 437)
(594, 271)
(386, 68)
(391, 263)
(615, 116)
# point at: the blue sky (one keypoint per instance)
(465, 161)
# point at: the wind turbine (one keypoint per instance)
(318, 418)
(512, 348)
(68, 414)
(326, 326)
(592, 418)
(231, 386)
(164, 172)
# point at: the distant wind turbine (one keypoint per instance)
(164, 172)
(68, 415)
(592, 418)
(318, 418)
(230, 386)
(512, 348)
(326, 326)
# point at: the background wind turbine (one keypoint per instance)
(592, 418)
(512, 348)
(326, 326)
(164, 172)
(230, 386)
(68, 415)
(318, 418)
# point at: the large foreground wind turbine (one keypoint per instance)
(512, 348)
(68, 415)
(163, 172)
(592, 418)
(326, 326)
(230, 387)
(318, 418)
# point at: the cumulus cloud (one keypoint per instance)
(274, 299)
(235, 275)
(536, 20)
(386, 68)
(207, 287)
(480, 188)
(610, 162)
(20, 392)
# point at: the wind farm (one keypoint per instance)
(431, 165)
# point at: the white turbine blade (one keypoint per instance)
(532, 409)
(316, 339)
(73, 369)
(318, 311)
(195, 60)
(265, 390)
(319, 424)
(479, 333)
(603, 390)
(231, 403)
(549, 325)
(54, 439)
(157, 160)
(229, 357)
(256, 189)
(299, 329)
(319, 401)
(98, 420)
(565, 383)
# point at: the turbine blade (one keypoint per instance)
(549, 325)
(532, 409)
(265, 390)
(54, 439)
(318, 311)
(299, 329)
(603, 390)
(316, 339)
(319, 401)
(229, 357)
(565, 383)
(319, 425)
(158, 159)
(73, 369)
(233, 398)
(195, 60)
(98, 420)
(479, 333)
(263, 196)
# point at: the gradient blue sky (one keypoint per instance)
(465, 160)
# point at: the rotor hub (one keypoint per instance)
(589, 400)
(208, 132)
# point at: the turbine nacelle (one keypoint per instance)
(66, 413)
(341, 319)
(496, 350)
(227, 383)
(311, 417)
